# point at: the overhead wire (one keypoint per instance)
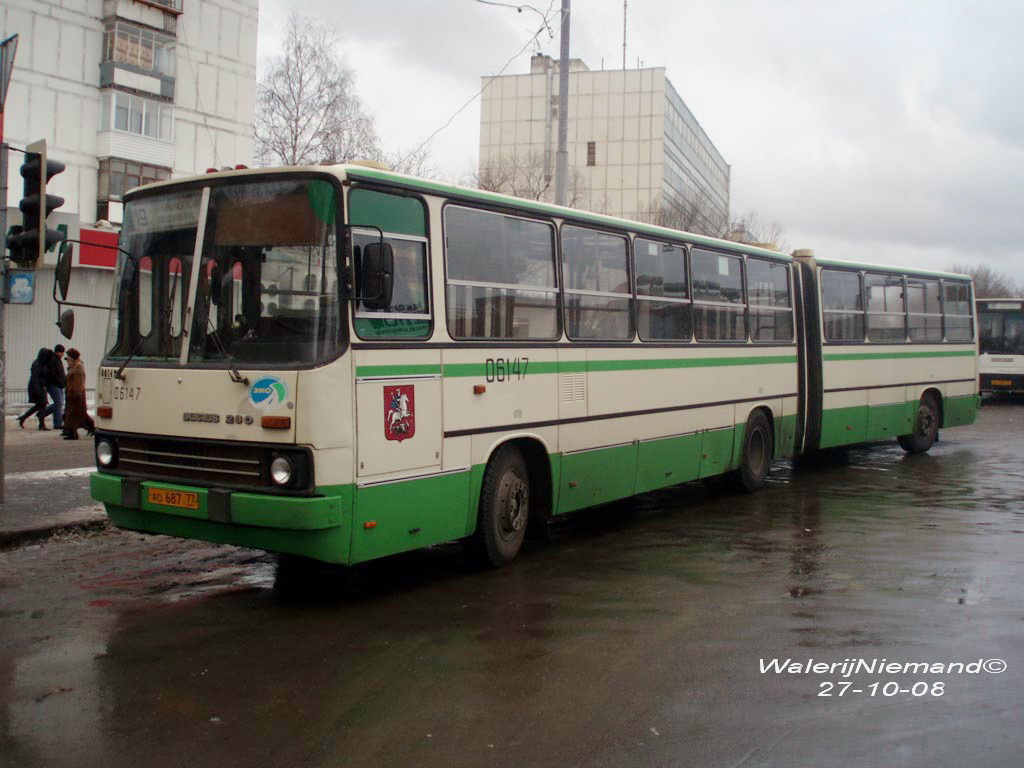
(199, 99)
(485, 86)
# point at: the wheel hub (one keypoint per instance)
(925, 422)
(514, 505)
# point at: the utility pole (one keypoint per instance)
(562, 156)
(8, 49)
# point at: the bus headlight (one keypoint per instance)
(105, 453)
(281, 470)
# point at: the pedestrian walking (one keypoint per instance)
(56, 380)
(37, 389)
(77, 415)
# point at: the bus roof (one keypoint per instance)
(426, 186)
(887, 268)
(467, 193)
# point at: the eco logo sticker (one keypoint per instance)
(268, 392)
(399, 413)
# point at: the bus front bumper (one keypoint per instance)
(310, 526)
(1006, 383)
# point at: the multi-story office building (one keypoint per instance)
(635, 149)
(125, 92)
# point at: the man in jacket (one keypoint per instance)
(56, 381)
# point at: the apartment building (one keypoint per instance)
(125, 92)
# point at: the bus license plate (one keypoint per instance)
(1001, 383)
(168, 498)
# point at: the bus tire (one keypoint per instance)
(926, 427)
(758, 449)
(504, 507)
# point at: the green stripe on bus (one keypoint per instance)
(366, 371)
(510, 367)
(897, 355)
(471, 370)
(698, 362)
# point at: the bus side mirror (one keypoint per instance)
(63, 271)
(378, 274)
(66, 324)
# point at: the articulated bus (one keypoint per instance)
(343, 363)
(1001, 346)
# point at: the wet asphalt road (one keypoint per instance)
(635, 638)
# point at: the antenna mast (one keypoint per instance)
(625, 3)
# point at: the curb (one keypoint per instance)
(19, 538)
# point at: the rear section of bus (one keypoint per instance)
(892, 353)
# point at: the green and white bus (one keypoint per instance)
(1001, 346)
(343, 363)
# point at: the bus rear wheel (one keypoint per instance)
(926, 427)
(504, 508)
(758, 449)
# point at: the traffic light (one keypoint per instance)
(28, 244)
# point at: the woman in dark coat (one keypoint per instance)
(76, 415)
(37, 388)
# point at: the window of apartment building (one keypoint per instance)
(134, 114)
(139, 47)
(591, 153)
(118, 176)
(174, 5)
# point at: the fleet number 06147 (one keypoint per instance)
(505, 368)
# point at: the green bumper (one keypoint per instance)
(316, 527)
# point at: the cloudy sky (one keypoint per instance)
(870, 130)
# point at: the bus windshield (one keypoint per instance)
(1001, 332)
(266, 291)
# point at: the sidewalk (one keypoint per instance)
(46, 488)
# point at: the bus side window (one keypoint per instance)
(501, 276)
(924, 310)
(598, 295)
(719, 306)
(771, 312)
(842, 302)
(664, 311)
(956, 307)
(887, 310)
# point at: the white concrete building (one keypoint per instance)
(124, 92)
(633, 144)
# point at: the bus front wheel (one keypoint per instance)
(926, 427)
(504, 507)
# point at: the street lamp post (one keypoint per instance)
(562, 155)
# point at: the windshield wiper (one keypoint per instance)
(236, 377)
(119, 374)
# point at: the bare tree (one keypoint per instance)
(527, 175)
(415, 163)
(751, 229)
(522, 174)
(695, 213)
(308, 111)
(989, 284)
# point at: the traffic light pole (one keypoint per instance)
(3, 312)
(8, 50)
